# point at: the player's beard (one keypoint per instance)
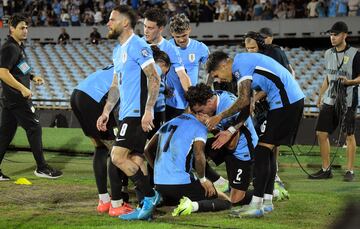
(114, 34)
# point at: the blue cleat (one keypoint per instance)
(268, 206)
(134, 215)
(149, 205)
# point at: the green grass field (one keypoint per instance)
(70, 201)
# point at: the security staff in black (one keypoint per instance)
(338, 100)
(18, 108)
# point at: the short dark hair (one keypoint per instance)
(198, 94)
(160, 55)
(129, 12)
(214, 59)
(15, 19)
(156, 15)
(260, 40)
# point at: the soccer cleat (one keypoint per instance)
(122, 210)
(134, 215)
(48, 172)
(103, 207)
(268, 206)
(3, 177)
(280, 193)
(248, 211)
(321, 174)
(348, 176)
(184, 207)
(223, 187)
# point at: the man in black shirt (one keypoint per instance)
(64, 37)
(17, 105)
(95, 36)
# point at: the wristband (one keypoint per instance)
(202, 180)
(232, 130)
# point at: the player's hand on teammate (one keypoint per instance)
(213, 121)
(344, 80)
(38, 80)
(102, 121)
(26, 93)
(147, 121)
(209, 188)
(221, 139)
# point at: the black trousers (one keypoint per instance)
(22, 114)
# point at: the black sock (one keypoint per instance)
(246, 200)
(142, 183)
(270, 184)
(100, 168)
(261, 169)
(125, 183)
(150, 174)
(210, 173)
(213, 205)
(115, 176)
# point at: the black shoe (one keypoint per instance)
(3, 177)
(349, 176)
(321, 174)
(48, 172)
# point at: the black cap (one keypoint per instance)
(339, 27)
(266, 32)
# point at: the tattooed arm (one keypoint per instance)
(241, 104)
(113, 97)
(153, 92)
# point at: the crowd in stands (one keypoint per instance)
(96, 12)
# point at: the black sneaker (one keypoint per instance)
(3, 177)
(321, 174)
(48, 172)
(349, 176)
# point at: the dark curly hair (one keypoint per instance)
(160, 55)
(198, 94)
(214, 59)
(156, 15)
(15, 19)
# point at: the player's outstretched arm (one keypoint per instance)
(153, 92)
(184, 79)
(150, 150)
(113, 97)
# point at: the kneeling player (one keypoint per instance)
(177, 144)
(237, 151)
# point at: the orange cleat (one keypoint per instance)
(103, 207)
(124, 209)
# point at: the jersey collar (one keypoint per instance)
(128, 40)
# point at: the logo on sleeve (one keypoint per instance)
(237, 75)
(145, 52)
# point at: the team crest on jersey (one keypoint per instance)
(346, 59)
(192, 57)
(124, 57)
(237, 75)
(145, 52)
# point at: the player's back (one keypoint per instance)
(174, 156)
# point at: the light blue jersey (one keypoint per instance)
(160, 102)
(242, 151)
(172, 81)
(129, 60)
(174, 157)
(97, 84)
(193, 55)
(269, 76)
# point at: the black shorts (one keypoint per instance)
(282, 124)
(216, 155)
(131, 135)
(159, 120)
(328, 120)
(87, 111)
(238, 172)
(172, 194)
(172, 112)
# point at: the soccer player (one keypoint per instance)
(87, 102)
(202, 100)
(18, 109)
(136, 83)
(177, 80)
(177, 145)
(342, 67)
(286, 101)
(192, 52)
